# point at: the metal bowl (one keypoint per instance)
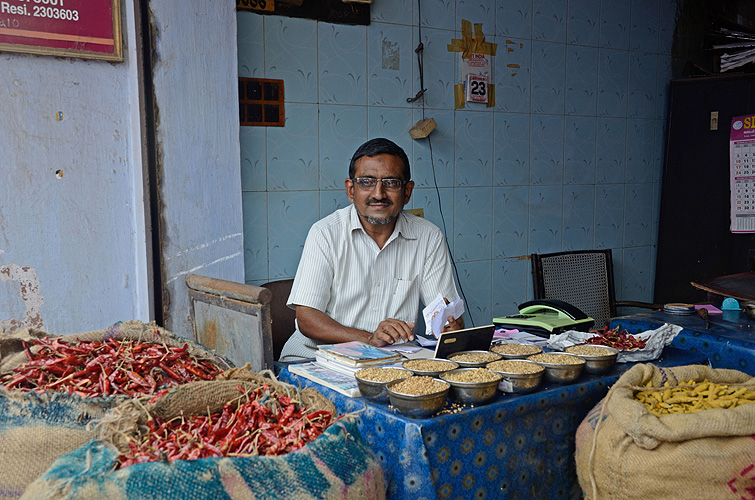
(474, 364)
(748, 307)
(537, 350)
(598, 364)
(520, 383)
(420, 406)
(429, 373)
(557, 373)
(470, 392)
(376, 391)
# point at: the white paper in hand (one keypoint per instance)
(437, 312)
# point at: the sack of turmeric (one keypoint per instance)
(683, 432)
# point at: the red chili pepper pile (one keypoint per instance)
(622, 340)
(95, 369)
(266, 424)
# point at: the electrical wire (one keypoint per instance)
(420, 95)
(443, 220)
(420, 63)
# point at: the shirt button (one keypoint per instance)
(374, 309)
(378, 283)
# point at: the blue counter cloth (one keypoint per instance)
(729, 342)
(516, 447)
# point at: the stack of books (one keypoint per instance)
(335, 365)
(350, 357)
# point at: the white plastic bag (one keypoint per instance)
(655, 341)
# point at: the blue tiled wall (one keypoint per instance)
(569, 158)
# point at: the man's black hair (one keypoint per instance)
(380, 146)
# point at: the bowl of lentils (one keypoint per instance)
(418, 396)
(430, 367)
(515, 350)
(472, 385)
(520, 376)
(372, 382)
(599, 359)
(474, 359)
(560, 368)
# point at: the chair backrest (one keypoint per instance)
(283, 317)
(581, 278)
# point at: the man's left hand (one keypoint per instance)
(453, 324)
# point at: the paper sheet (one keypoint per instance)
(515, 335)
(436, 314)
(655, 341)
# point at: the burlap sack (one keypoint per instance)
(37, 429)
(625, 452)
(337, 465)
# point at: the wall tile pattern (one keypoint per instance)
(569, 158)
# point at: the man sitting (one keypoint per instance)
(365, 268)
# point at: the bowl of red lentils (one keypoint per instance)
(418, 396)
(372, 381)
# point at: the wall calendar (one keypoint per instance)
(742, 176)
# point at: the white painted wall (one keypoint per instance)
(196, 87)
(81, 235)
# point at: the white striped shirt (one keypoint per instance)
(344, 274)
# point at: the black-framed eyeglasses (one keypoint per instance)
(370, 183)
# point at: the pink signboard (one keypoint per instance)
(69, 28)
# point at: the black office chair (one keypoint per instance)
(583, 279)
(283, 325)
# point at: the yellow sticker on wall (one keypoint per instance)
(268, 5)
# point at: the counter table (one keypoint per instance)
(516, 447)
(728, 341)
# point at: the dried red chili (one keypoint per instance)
(265, 424)
(615, 338)
(97, 369)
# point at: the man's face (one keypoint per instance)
(379, 205)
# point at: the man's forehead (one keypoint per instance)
(380, 163)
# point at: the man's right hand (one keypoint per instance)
(391, 331)
(319, 326)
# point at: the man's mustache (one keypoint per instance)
(385, 201)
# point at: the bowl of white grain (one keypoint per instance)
(418, 396)
(520, 376)
(474, 359)
(430, 367)
(560, 368)
(372, 382)
(599, 359)
(516, 350)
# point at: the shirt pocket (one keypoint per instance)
(404, 301)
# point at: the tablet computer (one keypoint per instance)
(477, 338)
